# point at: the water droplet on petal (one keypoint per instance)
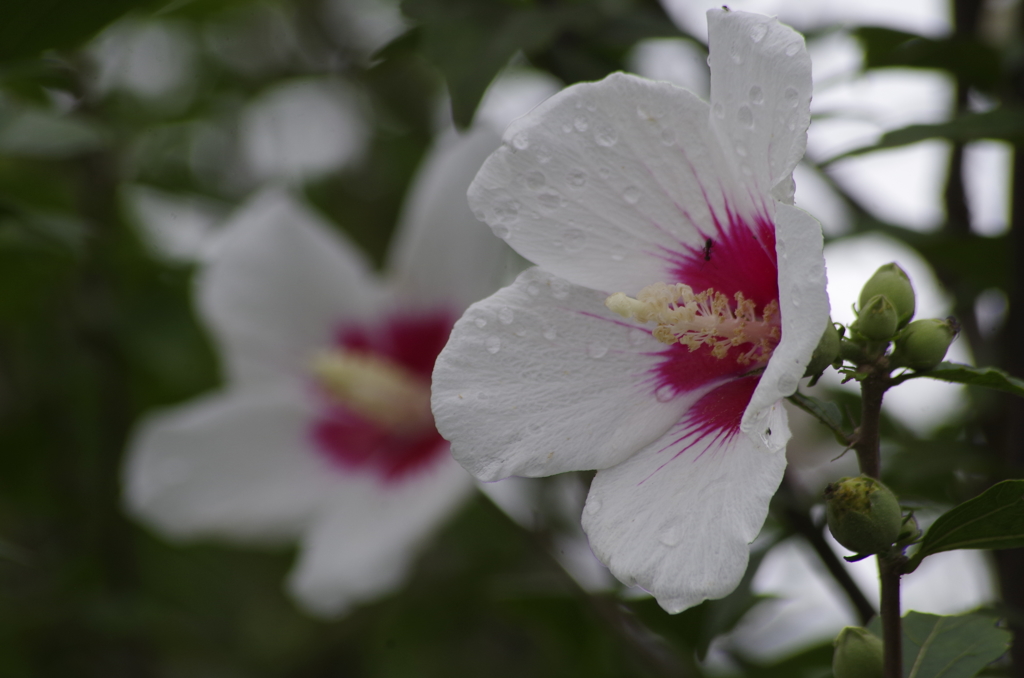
(792, 48)
(559, 289)
(550, 334)
(756, 95)
(577, 178)
(493, 344)
(670, 537)
(604, 172)
(506, 211)
(788, 383)
(566, 127)
(792, 96)
(664, 393)
(520, 141)
(501, 231)
(574, 240)
(593, 506)
(480, 322)
(581, 123)
(617, 257)
(605, 136)
(597, 350)
(631, 195)
(747, 172)
(637, 336)
(736, 58)
(745, 116)
(535, 180)
(505, 315)
(758, 32)
(709, 60)
(719, 111)
(741, 150)
(550, 200)
(668, 137)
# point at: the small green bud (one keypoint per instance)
(892, 282)
(923, 343)
(863, 514)
(877, 320)
(827, 351)
(858, 654)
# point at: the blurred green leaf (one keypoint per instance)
(969, 59)
(827, 412)
(32, 26)
(948, 647)
(814, 662)
(992, 520)
(42, 133)
(471, 40)
(1005, 123)
(989, 377)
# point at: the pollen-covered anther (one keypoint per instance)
(706, 318)
(374, 388)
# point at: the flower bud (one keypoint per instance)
(826, 352)
(892, 282)
(863, 514)
(858, 654)
(877, 319)
(923, 343)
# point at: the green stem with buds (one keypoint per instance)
(868, 449)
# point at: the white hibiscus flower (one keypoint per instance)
(323, 432)
(678, 297)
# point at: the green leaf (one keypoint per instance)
(950, 647)
(31, 26)
(471, 40)
(967, 58)
(38, 132)
(1005, 123)
(826, 412)
(989, 377)
(992, 520)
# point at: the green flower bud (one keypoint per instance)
(858, 654)
(863, 514)
(877, 319)
(923, 343)
(826, 352)
(892, 282)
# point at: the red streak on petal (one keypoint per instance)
(353, 443)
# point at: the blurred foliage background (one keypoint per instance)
(116, 115)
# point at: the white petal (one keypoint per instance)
(277, 285)
(441, 252)
(541, 378)
(804, 307)
(367, 536)
(233, 465)
(760, 95)
(680, 526)
(601, 181)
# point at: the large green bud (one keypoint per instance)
(877, 319)
(891, 282)
(923, 343)
(858, 654)
(863, 514)
(827, 351)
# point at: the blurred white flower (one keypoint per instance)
(611, 187)
(323, 432)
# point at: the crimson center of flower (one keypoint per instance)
(704, 319)
(375, 387)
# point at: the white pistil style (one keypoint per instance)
(703, 319)
(374, 388)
